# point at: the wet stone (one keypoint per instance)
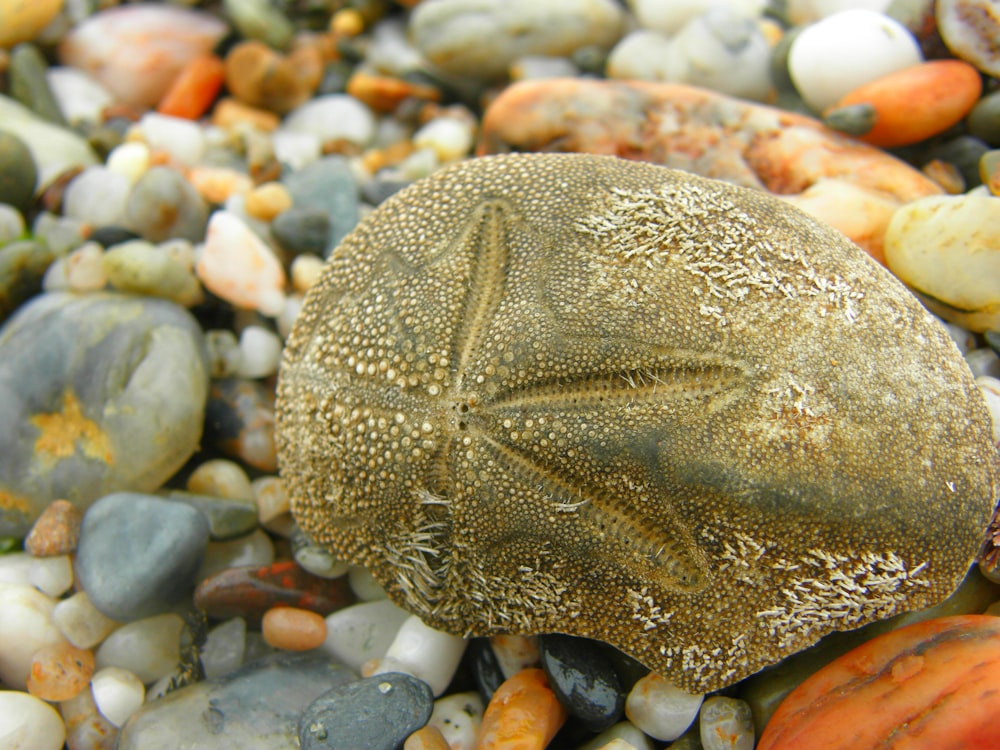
(377, 713)
(485, 667)
(302, 230)
(256, 706)
(79, 377)
(239, 421)
(56, 532)
(227, 517)
(327, 186)
(250, 591)
(163, 205)
(726, 724)
(22, 267)
(17, 172)
(583, 679)
(138, 554)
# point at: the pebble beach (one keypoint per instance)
(173, 177)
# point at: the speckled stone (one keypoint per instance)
(138, 554)
(56, 532)
(376, 713)
(80, 377)
(257, 706)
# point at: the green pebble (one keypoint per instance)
(227, 518)
(854, 120)
(260, 20)
(989, 167)
(29, 85)
(9, 544)
(141, 268)
(18, 173)
(983, 121)
(22, 267)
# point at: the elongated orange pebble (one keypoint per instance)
(915, 103)
(194, 89)
(928, 686)
(523, 714)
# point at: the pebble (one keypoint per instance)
(97, 195)
(726, 724)
(86, 408)
(239, 420)
(131, 159)
(481, 39)
(220, 477)
(362, 632)
(224, 648)
(273, 506)
(946, 248)
(295, 150)
(583, 679)
(182, 139)
(136, 51)
(385, 93)
(195, 88)
(293, 629)
(238, 267)
(327, 186)
(81, 622)
(22, 22)
(138, 554)
(845, 50)
(623, 731)
(227, 517)
(450, 138)
(11, 224)
(427, 738)
(254, 549)
(25, 627)
(80, 97)
(258, 19)
(660, 709)
(306, 272)
(18, 174)
(983, 361)
(26, 722)
(86, 729)
(23, 265)
(50, 575)
(671, 17)
(148, 648)
(428, 654)
(314, 558)
(983, 121)
(257, 706)
(139, 267)
(485, 667)
(56, 532)
(117, 694)
(250, 591)
(59, 672)
(515, 652)
(970, 29)
(458, 717)
(333, 118)
(27, 82)
(377, 713)
(302, 230)
(163, 205)
(523, 713)
(260, 353)
(223, 354)
(916, 103)
(260, 77)
(266, 201)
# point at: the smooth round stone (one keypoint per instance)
(946, 247)
(163, 205)
(314, 558)
(117, 694)
(56, 532)
(220, 477)
(138, 554)
(583, 679)
(97, 195)
(295, 150)
(86, 729)
(428, 654)
(458, 718)
(182, 139)
(80, 271)
(306, 271)
(983, 121)
(148, 648)
(364, 585)
(843, 51)
(79, 377)
(79, 96)
(361, 632)
(227, 517)
(480, 39)
(23, 266)
(109, 236)
(12, 224)
(239, 420)
(293, 629)
(726, 724)
(334, 117)
(81, 622)
(18, 173)
(257, 706)
(451, 138)
(266, 201)
(260, 350)
(224, 648)
(136, 51)
(254, 549)
(137, 267)
(327, 186)
(623, 731)
(376, 713)
(800, 12)
(260, 20)
(25, 627)
(670, 16)
(28, 723)
(260, 76)
(50, 575)
(970, 29)
(61, 233)
(515, 652)
(660, 709)
(60, 672)
(273, 505)
(302, 230)
(523, 713)
(28, 84)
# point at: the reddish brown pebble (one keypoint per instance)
(428, 738)
(293, 629)
(56, 531)
(249, 591)
(523, 714)
(59, 672)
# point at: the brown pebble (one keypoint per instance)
(60, 671)
(293, 629)
(230, 113)
(56, 531)
(260, 77)
(385, 93)
(428, 738)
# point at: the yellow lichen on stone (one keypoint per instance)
(63, 432)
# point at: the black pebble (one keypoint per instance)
(583, 679)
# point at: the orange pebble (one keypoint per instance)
(917, 102)
(293, 629)
(523, 714)
(428, 738)
(217, 184)
(384, 93)
(194, 90)
(266, 201)
(229, 113)
(60, 672)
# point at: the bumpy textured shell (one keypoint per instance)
(576, 394)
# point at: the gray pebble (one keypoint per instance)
(18, 172)
(98, 393)
(302, 230)
(327, 186)
(376, 713)
(138, 554)
(164, 205)
(257, 706)
(22, 268)
(227, 517)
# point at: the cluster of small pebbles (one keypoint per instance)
(172, 177)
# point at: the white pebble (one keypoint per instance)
(515, 652)
(296, 150)
(29, 723)
(220, 477)
(319, 561)
(85, 268)
(50, 575)
(238, 267)
(801, 12)
(362, 632)
(11, 224)
(990, 388)
(726, 724)
(223, 352)
(983, 362)
(274, 510)
(255, 548)
(129, 159)
(450, 138)
(537, 67)
(117, 693)
(390, 49)
(25, 626)
(428, 654)
(80, 97)
(81, 622)
(623, 731)
(306, 270)
(97, 195)
(260, 352)
(224, 648)
(836, 55)
(669, 16)
(660, 709)
(458, 718)
(334, 117)
(149, 648)
(364, 585)
(288, 315)
(182, 139)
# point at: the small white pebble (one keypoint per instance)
(450, 138)
(79, 96)
(364, 585)
(260, 352)
(660, 709)
(802, 12)
(129, 159)
(50, 575)
(85, 268)
(458, 718)
(81, 622)
(333, 117)
(181, 138)
(29, 723)
(537, 67)
(983, 361)
(428, 654)
(361, 632)
(97, 195)
(306, 271)
(623, 731)
(12, 224)
(273, 505)
(515, 652)
(148, 648)
(220, 477)
(296, 150)
(25, 626)
(289, 313)
(117, 694)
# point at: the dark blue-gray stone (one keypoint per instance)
(376, 713)
(138, 554)
(583, 679)
(227, 517)
(256, 707)
(98, 393)
(302, 230)
(327, 186)
(484, 666)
